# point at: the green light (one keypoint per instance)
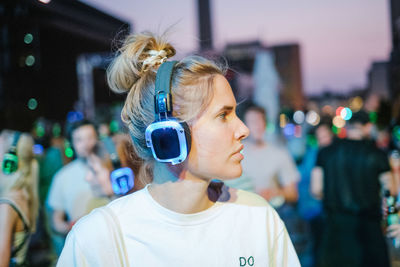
(69, 152)
(373, 116)
(10, 163)
(270, 128)
(114, 126)
(312, 141)
(32, 104)
(56, 130)
(396, 132)
(30, 60)
(335, 130)
(28, 38)
(40, 131)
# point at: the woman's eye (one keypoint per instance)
(223, 115)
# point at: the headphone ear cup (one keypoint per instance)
(188, 136)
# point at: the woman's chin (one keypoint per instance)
(233, 174)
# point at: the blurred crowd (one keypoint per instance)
(330, 171)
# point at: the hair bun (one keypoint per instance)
(138, 54)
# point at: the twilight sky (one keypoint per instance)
(339, 38)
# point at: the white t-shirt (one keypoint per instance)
(269, 166)
(70, 192)
(245, 231)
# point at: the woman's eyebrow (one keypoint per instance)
(225, 108)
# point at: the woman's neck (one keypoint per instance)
(178, 190)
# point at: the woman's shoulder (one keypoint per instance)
(91, 224)
(254, 207)
(18, 199)
(246, 199)
(127, 203)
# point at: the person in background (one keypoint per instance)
(270, 168)
(310, 208)
(100, 167)
(19, 203)
(349, 176)
(69, 193)
(173, 221)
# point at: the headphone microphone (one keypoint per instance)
(168, 138)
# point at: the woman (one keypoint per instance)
(180, 219)
(18, 198)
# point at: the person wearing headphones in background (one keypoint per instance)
(182, 120)
(112, 168)
(69, 193)
(19, 201)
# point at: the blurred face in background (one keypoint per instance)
(98, 176)
(256, 123)
(324, 135)
(84, 140)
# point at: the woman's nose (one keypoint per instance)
(242, 131)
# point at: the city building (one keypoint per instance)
(39, 47)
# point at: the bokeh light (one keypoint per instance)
(339, 122)
(396, 132)
(28, 38)
(298, 117)
(283, 120)
(335, 129)
(56, 130)
(40, 131)
(298, 131)
(312, 140)
(74, 116)
(356, 103)
(114, 126)
(373, 116)
(38, 149)
(289, 129)
(346, 114)
(32, 104)
(339, 111)
(29, 60)
(342, 133)
(312, 118)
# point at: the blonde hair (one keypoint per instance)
(27, 175)
(134, 70)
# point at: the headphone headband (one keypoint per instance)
(162, 98)
(15, 140)
(164, 75)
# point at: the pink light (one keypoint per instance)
(339, 110)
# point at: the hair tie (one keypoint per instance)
(156, 58)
